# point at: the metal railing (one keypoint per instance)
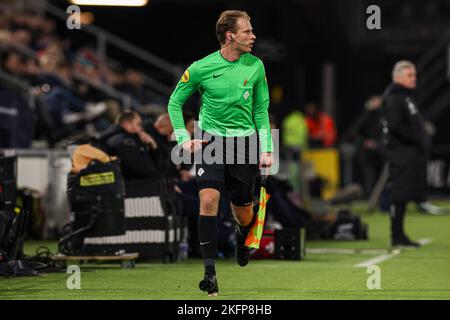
(105, 39)
(127, 100)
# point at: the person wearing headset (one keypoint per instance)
(235, 102)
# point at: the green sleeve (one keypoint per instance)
(260, 111)
(187, 85)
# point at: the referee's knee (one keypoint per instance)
(209, 202)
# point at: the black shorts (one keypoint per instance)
(237, 176)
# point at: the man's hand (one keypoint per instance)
(177, 189)
(265, 160)
(193, 145)
(147, 139)
(185, 175)
(370, 144)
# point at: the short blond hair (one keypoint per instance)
(400, 66)
(228, 22)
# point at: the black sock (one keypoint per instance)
(208, 233)
(397, 218)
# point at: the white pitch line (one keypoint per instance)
(385, 257)
(424, 241)
(375, 260)
(345, 251)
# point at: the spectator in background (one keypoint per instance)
(134, 147)
(134, 85)
(115, 76)
(32, 70)
(294, 135)
(295, 131)
(371, 156)
(321, 128)
(161, 130)
(21, 37)
(12, 64)
(86, 64)
(65, 106)
(407, 147)
(365, 137)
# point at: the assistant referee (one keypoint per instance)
(235, 102)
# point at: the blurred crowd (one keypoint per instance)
(74, 89)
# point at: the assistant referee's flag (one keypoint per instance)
(255, 234)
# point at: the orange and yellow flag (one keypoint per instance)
(255, 234)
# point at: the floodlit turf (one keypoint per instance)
(414, 274)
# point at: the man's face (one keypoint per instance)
(13, 62)
(134, 77)
(407, 78)
(244, 38)
(134, 126)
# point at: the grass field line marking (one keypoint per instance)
(385, 257)
(425, 241)
(375, 260)
(345, 251)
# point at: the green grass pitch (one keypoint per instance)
(422, 273)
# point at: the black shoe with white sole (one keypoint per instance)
(404, 242)
(209, 284)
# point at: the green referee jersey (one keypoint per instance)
(235, 98)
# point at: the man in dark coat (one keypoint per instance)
(133, 146)
(407, 146)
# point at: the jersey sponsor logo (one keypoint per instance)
(185, 77)
(217, 75)
(200, 172)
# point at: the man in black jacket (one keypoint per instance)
(128, 140)
(407, 146)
